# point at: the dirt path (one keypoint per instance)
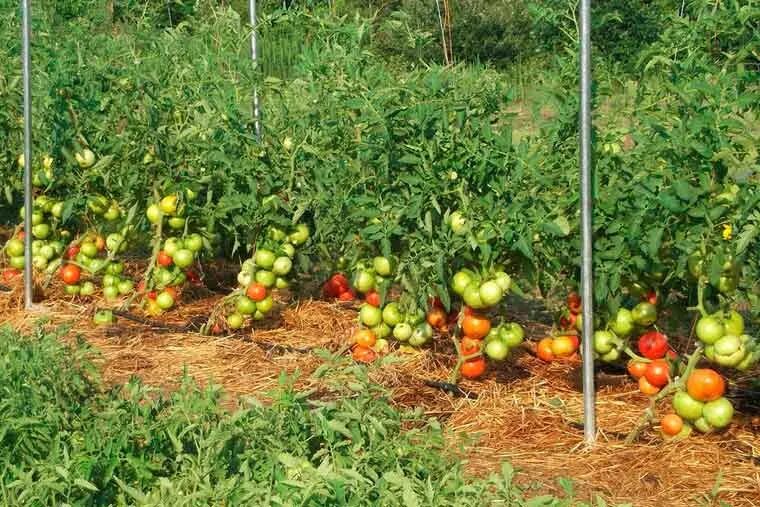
(526, 412)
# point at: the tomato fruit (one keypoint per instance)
(264, 258)
(256, 292)
(705, 384)
(372, 298)
(476, 326)
(243, 305)
(88, 289)
(421, 334)
(276, 234)
(125, 287)
(644, 314)
(695, 264)
(382, 330)
(14, 247)
(392, 315)
(653, 345)
(504, 281)
(168, 205)
(402, 331)
(637, 369)
(194, 243)
(370, 315)
(473, 368)
(544, 350)
(605, 341)
(300, 234)
(347, 295)
(235, 320)
(103, 318)
(647, 388)
(563, 346)
(365, 281)
(382, 266)
(734, 323)
(437, 318)
(70, 274)
(729, 351)
(282, 266)
(727, 284)
(710, 329)
(471, 296)
(183, 258)
(154, 214)
(111, 292)
(458, 223)
(470, 346)
(687, 407)
(512, 334)
(265, 305)
(363, 354)
(623, 323)
(658, 373)
(490, 293)
(365, 338)
(671, 424)
(459, 282)
(265, 278)
(574, 303)
(497, 350)
(718, 413)
(164, 259)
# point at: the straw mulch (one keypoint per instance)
(526, 412)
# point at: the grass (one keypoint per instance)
(67, 439)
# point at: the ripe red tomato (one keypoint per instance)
(21, 234)
(70, 274)
(347, 295)
(574, 303)
(193, 276)
(373, 298)
(705, 385)
(152, 295)
(476, 326)
(671, 424)
(651, 297)
(256, 292)
(9, 274)
(653, 345)
(568, 321)
(164, 259)
(473, 368)
(658, 373)
(544, 350)
(72, 251)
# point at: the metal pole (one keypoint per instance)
(255, 58)
(587, 266)
(26, 64)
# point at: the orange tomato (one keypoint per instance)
(544, 350)
(476, 326)
(365, 338)
(256, 292)
(100, 243)
(363, 354)
(637, 368)
(436, 317)
(705, 385)
(373, 298)
(470, 346)
(563, 346)
(70, 274)
(671, 424)
(473, 368)
(658, 373)
(647, 388)
(164, 259)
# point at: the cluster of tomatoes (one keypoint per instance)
(701, 406)
(700, 261)
(266, 270)
(48, 243)
(94, 257)
(722, 334)
(611, 343)
(338, 287)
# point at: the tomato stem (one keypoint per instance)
(630, 353)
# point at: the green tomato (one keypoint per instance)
(115, 242)
(392, 314)
(729, 351)
(154, 214)
(734, 323)
(276, 234)
(710, 329)
(176, 223)
(41, 231)
(490, 293)
(110, 280)
(687, 407)
(115, 268)
(57, 209)
(696, 263)
(37, 218)
(168, 205)
(172, 245)
(382, 330)
(245, 305)
(471, 296)
(460, 282)
(235, 320)
(103, 318)
(416, 317)
(644, 314)
(504, 281)
(165, 300)
(14, 247)
(125, 287)
(194, 242)
(48, 252)
(89, 249)
(299, 235)
(281, 283)
(88, 289)
(249, 266)
(265, 305)
(245, 278)
(703, 426)
(183, 258)
(39, 262)
(512, 334)
(257, 315)
(605, 342)
(421, 334)
(264, 258)
(611, 356)
(288, 249)
(623, 323)
(365, 281)
(282, 266)
(458, 223)
(402, 331)
(112, 213)
(370, 316)
(72, 290)
(718, 413)
(727, 284)
(265, 278)
(111, 292)
(382, 266)
(17, 262)
(497, 350)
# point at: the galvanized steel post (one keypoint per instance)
(255, 58)
(26, 64)
(587, 265)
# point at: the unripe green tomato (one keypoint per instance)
(265, 278)
(111, 292)
(265, 305)
(235, 320)
(402, 331)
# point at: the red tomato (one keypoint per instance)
(653, 345)
(347, 295)
(10, 273)
(658, 373)
(72, 251)
(671, 424)
(637, 369)
(574, 303)
(21, 235)
(473, 368)
(373, 298)
(476, 326)
(568, 321)
(193, 276)
(70, 274)
(437, 318)
(651, 297)
(470, 346)
(544, 350)
(672, 354)
(256, 292)
(152, 295)
(363, 354)
(164, 259)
